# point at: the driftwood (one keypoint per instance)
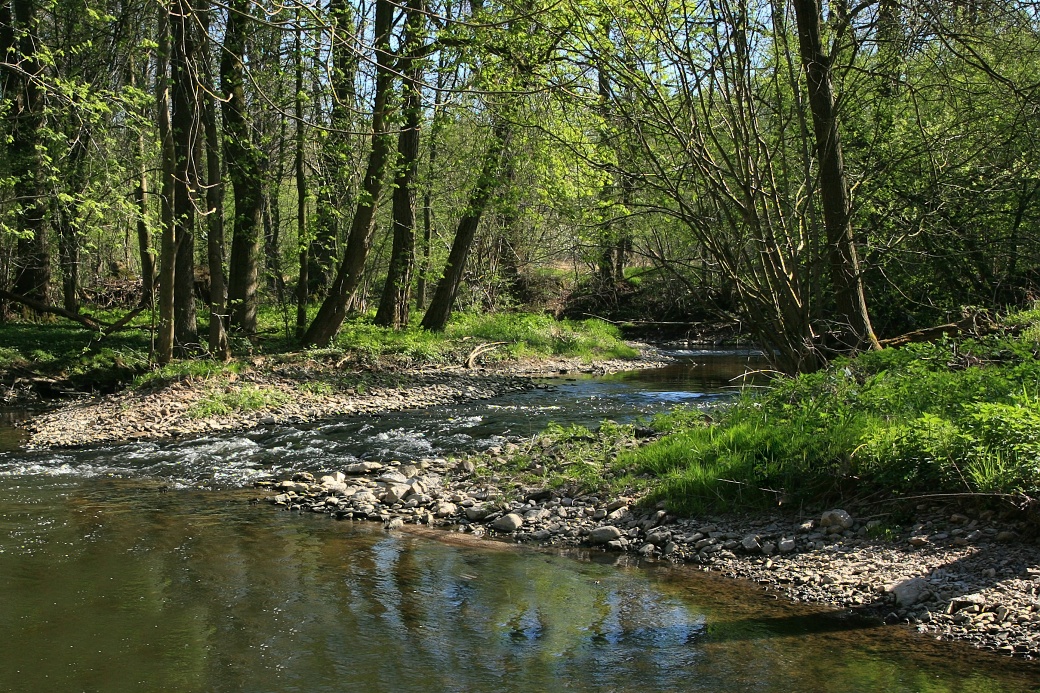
(482, 349)
(977, 325)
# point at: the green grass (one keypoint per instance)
(236, 400)
(947, 417)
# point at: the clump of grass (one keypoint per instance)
(196, 369)
(236, 400)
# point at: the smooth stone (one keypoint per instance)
(508, 523)
(604, 534)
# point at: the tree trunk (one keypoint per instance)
(25, 114)
(218, 341)
(64, 221)
(144, 237)
(244, 170)
(335, 152)
(394, 304)
(302, 283)
(168, 242)
(334, 308)
(437, 314)
(184, 124)
(853, 328)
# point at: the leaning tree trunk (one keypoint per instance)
(144, 236)
(25, 107)
(394, 304)
(244, 169)
(854, 330)
(334, 308)
(437, 314)
(64, 221)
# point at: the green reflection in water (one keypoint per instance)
(111, 586)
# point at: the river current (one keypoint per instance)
(145, 567)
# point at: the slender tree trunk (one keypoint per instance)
(26, 117)
(439, 311)
(218, 341)
(64, 221)
(854, 330)
(168, 242)
(335, 152)
(144, 236)
(302, 282)
(244, 170)
(334, 308)
(394, 304)
(184, 123)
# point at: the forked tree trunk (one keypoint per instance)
(334, 308)
(853, 328)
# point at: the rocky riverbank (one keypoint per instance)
(950, 575)
(291, 390)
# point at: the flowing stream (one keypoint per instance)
(145, 567)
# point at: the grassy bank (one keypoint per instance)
(946, 417)
(951, 417)
(62, 350)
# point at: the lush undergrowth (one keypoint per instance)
(947, 417)
(60, 348)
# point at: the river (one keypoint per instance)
(146, 567)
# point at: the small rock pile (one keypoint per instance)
(948, 575)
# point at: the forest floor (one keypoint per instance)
(291, 388)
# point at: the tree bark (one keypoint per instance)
(439, 311)
(184, 123)
(334, 308)
(853, 328)
(144, 236)
(395, 302)
(303, 282)
(168, 242)
(244, 170)
(218, 341)
(25, 115)
(335, 152)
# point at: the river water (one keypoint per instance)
(145, 568)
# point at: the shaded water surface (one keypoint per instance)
(145, 568)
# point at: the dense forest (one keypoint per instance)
(826, 173)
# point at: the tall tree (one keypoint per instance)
(185, 128)
(439, 310)
(24, 92)
(244, 163)
(853, 328)
(395, 302)
(334, 308)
